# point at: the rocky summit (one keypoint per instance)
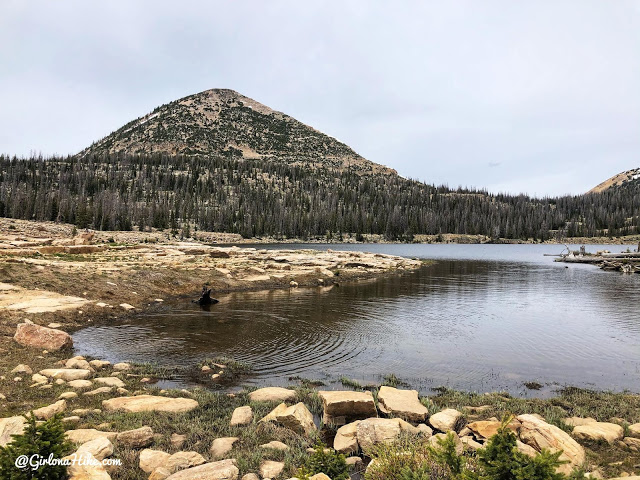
(222, 122)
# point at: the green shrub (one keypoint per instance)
(331, 463)
(501, 460)
(44, 440)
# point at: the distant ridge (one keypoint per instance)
(618, 180)
(223, 122)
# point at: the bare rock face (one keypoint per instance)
(594, 431)
(402, 403)
(539, 434)
(222, 470)
(348, 404)
(220, 447)
(10, 426)
(138, 438)
(32, 335)
(446, 420)
(150, 403)
(272, 394)
(373, 431)
(241, 416)
(346, 439)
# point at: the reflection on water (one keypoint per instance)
(485, 317)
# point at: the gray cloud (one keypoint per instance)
(437, 90)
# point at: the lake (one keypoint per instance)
(482, 318)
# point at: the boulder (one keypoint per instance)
(100, 448)
(446, 420)
(348, 404)
(77, 362)
(32, 335)
(150, 403)
(594, 431)
(635, 429)
(181, 460)
(273, 415)
(84, 435)
(539, 434)
(486, 429)
(49, 411)
(272, 394)
(80, 383)
(297, 418)
(372, 431)
(222, 470)
(271, 469)
(402, 403)
(99, 364)
(577, 421)
(10, 426)
(159, 473)
(122, 367)
(22, 369)
(89, 468)
(220, 447)
(66, 374)
(109, 381)
(346, 439)
(251, 476)
(99, 391)
(68, 395)
(241, 416)
(37, 378)
(152, 459)
(275, 445)
(138, 438)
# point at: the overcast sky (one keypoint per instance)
(540, 96)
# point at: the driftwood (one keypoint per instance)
(205, 298)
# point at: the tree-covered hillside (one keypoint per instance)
(277, 198)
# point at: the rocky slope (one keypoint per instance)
(621, 179)
(224, 122)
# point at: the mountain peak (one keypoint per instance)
(618, 180)
(221, 121)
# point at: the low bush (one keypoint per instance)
(39, 442)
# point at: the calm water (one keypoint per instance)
(483, 318)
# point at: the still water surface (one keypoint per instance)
(483, 318)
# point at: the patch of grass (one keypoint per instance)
(348, 382)
(307, 382)
(533, 385)
(391, 380)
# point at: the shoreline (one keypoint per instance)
(67, 283)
